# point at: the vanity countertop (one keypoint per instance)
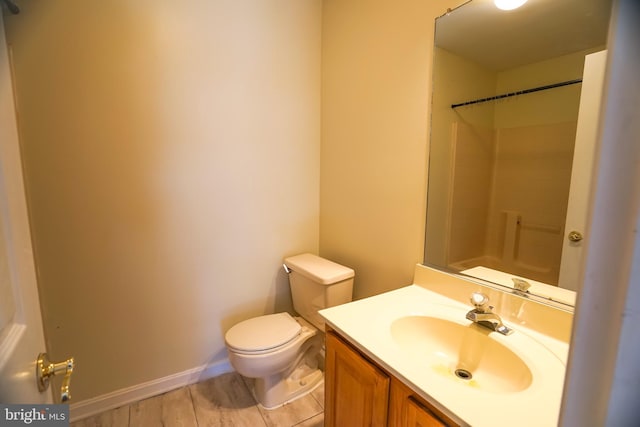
(368, 325)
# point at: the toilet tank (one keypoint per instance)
(317, 283)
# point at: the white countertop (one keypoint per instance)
(367, 325)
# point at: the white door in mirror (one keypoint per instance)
(582, 170)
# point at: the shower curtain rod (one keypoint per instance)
(520, 92)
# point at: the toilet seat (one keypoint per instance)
(263, 334)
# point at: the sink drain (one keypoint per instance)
(463, 374)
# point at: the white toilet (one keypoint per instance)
(281, 351)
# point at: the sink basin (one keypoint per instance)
(468, 354)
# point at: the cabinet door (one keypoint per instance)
(419, 416)
(409, 410)
(357, 392)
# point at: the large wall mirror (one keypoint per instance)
(516, 97)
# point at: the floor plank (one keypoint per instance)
(146, 412)
(118, 417)
(178, 410)
(318, 394)
(317, 421)
(292, 413)
(173, 409)
(225, 401)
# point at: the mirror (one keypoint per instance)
(506, 105)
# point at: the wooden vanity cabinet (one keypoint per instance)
(360, 393)
(356, 391)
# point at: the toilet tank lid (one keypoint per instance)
(318, 269)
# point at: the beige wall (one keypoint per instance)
(376, 67)
(171, 152)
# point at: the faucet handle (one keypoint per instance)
(481, 302)
(521, 284)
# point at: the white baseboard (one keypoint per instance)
(125, 396)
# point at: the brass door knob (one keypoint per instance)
(46, 369)
(575, 236)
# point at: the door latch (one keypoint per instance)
(45, 369)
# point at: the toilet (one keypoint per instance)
(281, 352)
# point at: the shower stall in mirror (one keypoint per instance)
(507, 166)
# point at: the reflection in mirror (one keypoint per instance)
(509, 109)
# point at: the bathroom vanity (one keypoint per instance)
(411, 357)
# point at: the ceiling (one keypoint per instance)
(539, 30)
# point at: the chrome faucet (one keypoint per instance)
(483, 314)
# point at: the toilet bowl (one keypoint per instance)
(281, 352)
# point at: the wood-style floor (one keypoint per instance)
(223, 401)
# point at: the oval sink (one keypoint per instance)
(468, 354)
